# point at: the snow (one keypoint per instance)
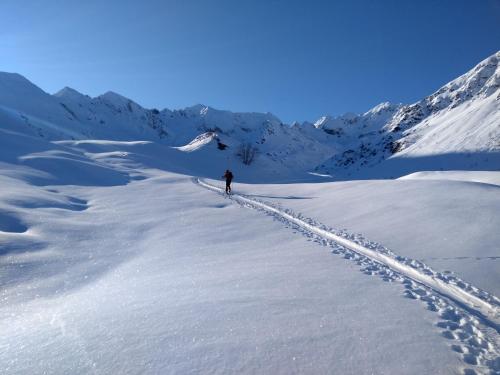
(473, 303)
(161, 276)
(439, 134)
(457, 123)
(71, 94)
(155, 274)
(198, 142)
(456, 127)
(120, 254)
(395, 213)
(485, 177)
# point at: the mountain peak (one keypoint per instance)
(322, 121)
(113, 97)
(118, 100)
(383, 107)
(483, 79)
(13, 77)
(330, 121)
(69, 93)
(15, 82)
(199, 108)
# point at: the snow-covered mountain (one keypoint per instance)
(119, 254)
(69, 114)
(462, 117)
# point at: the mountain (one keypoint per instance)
(458, 126)
(280, 150)
(120, 252)
(460, 119)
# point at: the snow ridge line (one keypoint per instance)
(482, 309)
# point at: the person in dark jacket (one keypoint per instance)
(229, 177)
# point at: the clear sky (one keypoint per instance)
(296, 59)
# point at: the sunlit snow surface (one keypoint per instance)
(119, 254)
(143, 271)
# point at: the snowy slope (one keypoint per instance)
(116, 255)
(423, 218)
(457, 127)
(166, 301)
(25, 106)
(69, 114)
(138, 270)
(485, 177)
(460, 120)
(276, 144)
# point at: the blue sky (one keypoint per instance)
(297, 59)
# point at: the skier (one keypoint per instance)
(229, 177)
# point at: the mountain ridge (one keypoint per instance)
(460, 116)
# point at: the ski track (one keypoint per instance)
(469, 317)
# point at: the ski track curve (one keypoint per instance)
(469, 317)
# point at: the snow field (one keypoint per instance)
(469, 316)
(113, 261)
(160, 276)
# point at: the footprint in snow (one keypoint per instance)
(220, 205)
